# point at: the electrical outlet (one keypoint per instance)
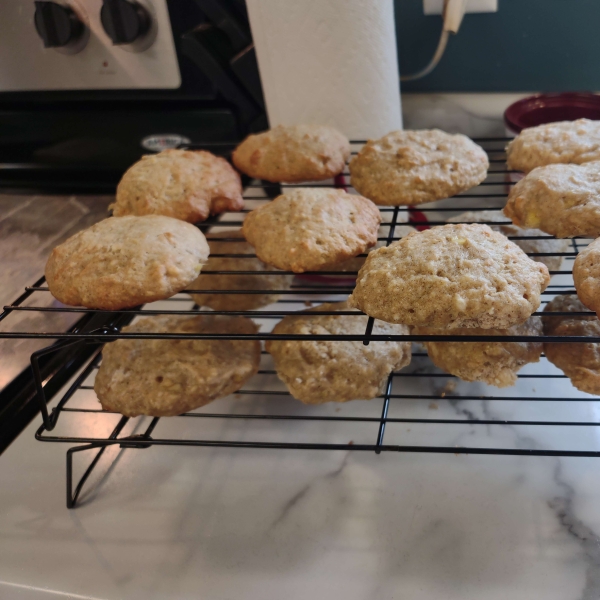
(435, 7)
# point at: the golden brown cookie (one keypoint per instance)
(293, 153)
(181, 184)
(412, 167)
(268, 281)
(546, 245)
(308, 228)
(495, 363)
(451, 276)
(349, 268)
(332, 371)
(125, 261)
(580, 362)
(586, 275)
(167, 377)
(563, 200)
(563, 142)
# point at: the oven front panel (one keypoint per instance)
(91, 60)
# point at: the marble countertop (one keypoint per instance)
(217, 523)
(246, 524)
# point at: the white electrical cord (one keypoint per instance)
(433, 63)
(454, 11)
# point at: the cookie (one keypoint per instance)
(308, 228)
(209, 282)
(168, 377)
(451, 276)
(125, 261)
(586, 275)
(350, 268)
(293, 153)
(495, 363)
(332, 371)
(546, 245)
(563, 200)
(181, 184)
(579, 362)
(563, 142)
(412, 167)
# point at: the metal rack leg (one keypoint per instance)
(72, 496)
(74, 347)
(384, 413)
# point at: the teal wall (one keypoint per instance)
(528, 45)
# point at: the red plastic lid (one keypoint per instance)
(548, 108)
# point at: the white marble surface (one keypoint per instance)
(217, 523)
(230, 524)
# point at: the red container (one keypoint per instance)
(548, 108)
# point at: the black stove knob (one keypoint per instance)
(124, 21)
(56, 24)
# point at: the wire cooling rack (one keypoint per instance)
(263, 413)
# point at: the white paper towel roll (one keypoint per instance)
(330, 62)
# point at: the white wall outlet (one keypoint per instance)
(435, 7)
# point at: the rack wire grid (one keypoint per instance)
(263, 414)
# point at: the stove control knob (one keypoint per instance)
(124, 21)
(57, 24)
